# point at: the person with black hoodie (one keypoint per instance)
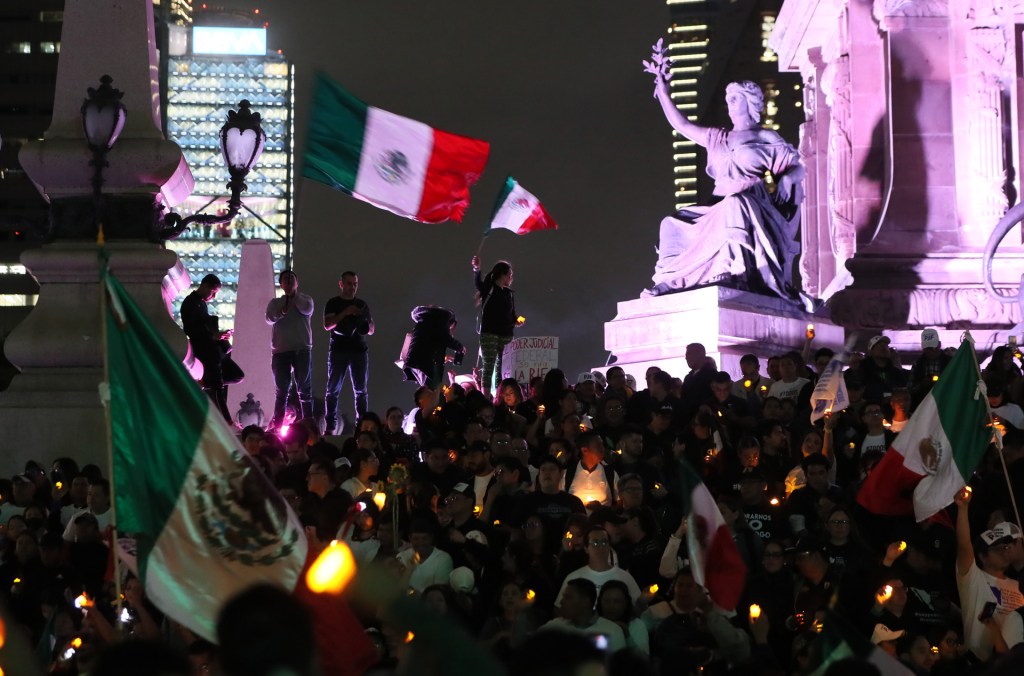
(432, 337)
(498, 319)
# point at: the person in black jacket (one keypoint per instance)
(498, 319)
(432, 337)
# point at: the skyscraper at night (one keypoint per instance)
(223, 61)
(712, 43)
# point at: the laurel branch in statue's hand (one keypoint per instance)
(659, 64)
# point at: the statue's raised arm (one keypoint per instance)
(659, 66)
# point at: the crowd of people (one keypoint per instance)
(553, 515)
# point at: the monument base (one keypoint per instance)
(655, 331)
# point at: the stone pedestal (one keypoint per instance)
(655, 331)
(52, 407)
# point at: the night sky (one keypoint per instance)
(557, 88)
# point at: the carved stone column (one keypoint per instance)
(53, 408)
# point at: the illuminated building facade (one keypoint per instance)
(220, 66)
(712, 43)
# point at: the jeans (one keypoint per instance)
(283, 364)
(339, 364)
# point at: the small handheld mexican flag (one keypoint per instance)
(519, 211)
(388, 160)
(207, 522)
(938, 450)
(714, 559)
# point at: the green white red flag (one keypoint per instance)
(519, 211)
(206, 521)
(714, 559)
(937, 452)
(388, 160)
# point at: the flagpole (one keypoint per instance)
(997, 434)
(481, 247)
(118, 598)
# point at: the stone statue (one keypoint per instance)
(748, 240)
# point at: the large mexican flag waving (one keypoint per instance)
(207, 522)
(938, 450)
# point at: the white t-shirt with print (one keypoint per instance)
(977, 588)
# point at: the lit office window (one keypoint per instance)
(49, 47)
(19, 48)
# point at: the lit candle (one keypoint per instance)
(755, 612)
(774, 502)
(530, 595)
(747, 383)
(379, 498)
(409, 637)
(903, 546)
(81, 601)
(520, 319)
(935, 379)
(810, 331)
(59, 485)
(652, 590)
(332, 570)
(884, 594)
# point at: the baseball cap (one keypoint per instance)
(342, 462)
(585, 377)
(463, 489)
(884, 633)
(630, 382)
(462, 579)
(809, 543)
(877, 339)
(600, 379)
(1001, 533)
(929, 338)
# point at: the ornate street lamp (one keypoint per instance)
(241, 143)
(103, 118)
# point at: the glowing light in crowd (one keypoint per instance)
(884, 594)
(3, 633)
(497, 522)
(530, 595)
(755, 611)
(568, 535)
(520, 319)
(283, 432)
(477, 509)
(379, 498)
(126, 616)
(332, 570)
(59, 485)
(83, 601)
(747, 383)
(903, 546)
(774, 502)
(935, 379)
(652, 590)
(409, 637)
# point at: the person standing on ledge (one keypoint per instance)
(206, 340)
(748, 240)
(349, 321)
(498, 319)
(291, 343)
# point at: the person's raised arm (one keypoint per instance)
(964, 548)
(659, 66)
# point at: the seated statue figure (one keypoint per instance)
(748, 239)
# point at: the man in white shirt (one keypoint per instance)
(790, 385)
(591, 480)
(98, 505)
(599, 568)
(424, 564)
(980, 579)
(579, 596)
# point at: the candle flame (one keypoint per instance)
(332, 570)
(747, 384)
(530, 595)
(379, 498)
(774, 502)
(81, 601)
(755, 611)
(652, 590)
(409, 637)
(903, 546)
(885, 594)
(76, 642)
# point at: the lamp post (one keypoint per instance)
(103, 118)
(241, 143)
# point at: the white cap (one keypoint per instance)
(930, 338)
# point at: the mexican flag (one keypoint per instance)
(938, 450)
(388, 160)
(839, 641)
(519, 211)
(714, 558)
(207, 522)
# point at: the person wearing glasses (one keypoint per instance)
(600, 568)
